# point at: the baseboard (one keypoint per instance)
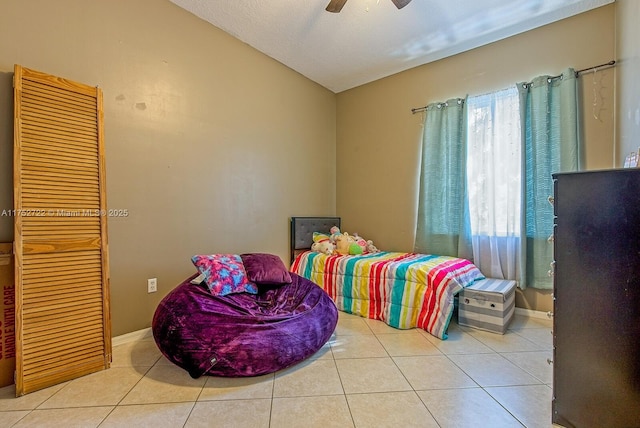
(534, 314)
(131, 337)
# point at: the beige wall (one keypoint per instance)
(628, 83)
(210, 145)
(378, 139)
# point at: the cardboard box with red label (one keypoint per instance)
(7, 315)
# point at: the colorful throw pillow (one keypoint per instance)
(265, 269)
(224, 274)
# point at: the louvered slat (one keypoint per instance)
(59, 158)
(44, 349)
(31, 101)
(60, 87)
(41, 119)
(63, 325)
(62, 230)
(37, 107)
(62, 164)
(60, 313)
(53, 149)
(39, 198)
(62, 178)
(36, 134)
(47, 369)
(50, 173)
(44, 114)
(38, 278)
(58, 132)
(75, 228)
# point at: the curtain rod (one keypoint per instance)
(578, 73)
(584, 70)
(594, 68)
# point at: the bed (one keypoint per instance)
(240, 334)
(405, 290)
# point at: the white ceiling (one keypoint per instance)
(371, 39)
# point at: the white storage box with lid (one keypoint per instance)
(488, 304)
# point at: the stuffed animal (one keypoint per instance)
(346, 245)
(361, 242)
(342, 244)
(371, 248)
(349, 244)
(320, 237)
(325, 247)
(322, 244)
(334, 231)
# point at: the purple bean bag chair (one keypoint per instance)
(243, 334)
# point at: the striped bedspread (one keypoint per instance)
(405, 290)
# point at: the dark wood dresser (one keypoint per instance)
(596, 327)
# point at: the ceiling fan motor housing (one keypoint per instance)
(335, 6)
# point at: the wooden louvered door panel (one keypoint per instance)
(62, 284)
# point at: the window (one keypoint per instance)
(493, 184)
(494, 180)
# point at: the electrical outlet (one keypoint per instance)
(152, 285)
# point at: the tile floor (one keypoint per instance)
(368, 375)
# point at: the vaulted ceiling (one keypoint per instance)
(372, 39)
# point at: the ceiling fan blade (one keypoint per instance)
(335, 6)
(401, 3)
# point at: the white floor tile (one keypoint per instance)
(315, 377)
(105, 388)
(360, 375)
(520, 322)
(407, 344)
(239, 388)
(462, 408)
(352, 325)
(534, 363)
(530, 404)
(9, 401)
(70, 417)
(508, 342)
(311, 412)
(367, 375)
(231, 414)
(360, 346)
(8, 419)
(433, 372)
(493, 370)
(165, 384)
(168, 415)
(390, 409)
(458, 342)
(142, 353)
(542, 337)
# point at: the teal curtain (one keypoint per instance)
(443, 225)
(550, 138)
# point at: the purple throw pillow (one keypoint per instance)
(224, 274)
(266, 269)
